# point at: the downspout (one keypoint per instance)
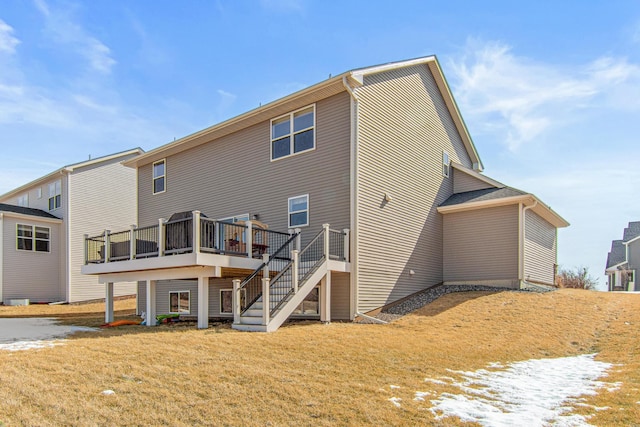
(353, 206)
(523, 227)
(67, 238)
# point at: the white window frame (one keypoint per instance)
(55, 195)
(180, 292)
(290, 212)
(163, 177)
(23, 200)
(446, 164)
(34, 239)
(243, 297)
(291, 133)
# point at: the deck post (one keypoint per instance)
(86, 246)
(298, 239)
(203, 302)
(346, 244)
(236, 301)
(249, 239)
(265, 270)
(161, 239)
(151, 303)
(266, 306)
(327, 238)
(108, 302)
(294, 273)
(196, 233)
(325, 298)
(107, 245)
(132, 243)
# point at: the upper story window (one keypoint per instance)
(32, 238)
(55, 195)
(446, 164)
(39, 193)
(299, 211)
(23, 200)
(159, 176)
(293, 133)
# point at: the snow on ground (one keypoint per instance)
(32, 333)
(532, 393)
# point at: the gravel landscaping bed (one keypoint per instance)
(429, 295)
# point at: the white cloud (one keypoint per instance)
(523, 99)
(65, 31)
(8, 42)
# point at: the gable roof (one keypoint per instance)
(494, 197)
(71, 168)
(333, 85)
(631, 232)
(26, 211)
(617, 255)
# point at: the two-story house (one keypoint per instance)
(42, 227)
(623, 261)
(328, 203)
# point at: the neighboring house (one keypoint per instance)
(376, 171)
(623, 261)
(42, 227)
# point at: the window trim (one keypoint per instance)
(234, 217)
(290, 212)
(163, 176)
(179, 292)
(243, 296)
(291, 133)
(34, 239)
(57, 197)
(446, 164)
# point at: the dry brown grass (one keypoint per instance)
(314, 374)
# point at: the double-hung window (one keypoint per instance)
(293, 133)
(159, 176)
(299, 211)
(32, 238)
(180, 302)
(55, 195)
(446, 164)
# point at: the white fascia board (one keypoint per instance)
(32, 217)
(70, 168)
(477, 175)
(358, 74)
(540, 208)
(635, 239)
(614, 268)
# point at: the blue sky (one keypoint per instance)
(550, 91)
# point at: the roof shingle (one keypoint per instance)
(25, 211)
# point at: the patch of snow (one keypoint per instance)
(495, 365)
(419, 396)
(108, 392)
(533, 393)
(614, 387)
(29, 345)
(396, 401)
(394, 386)
(431, 380)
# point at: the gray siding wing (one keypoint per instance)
(539, 249)
(403, 128)
(463, 182)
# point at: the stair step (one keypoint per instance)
(250, 320)
(249, 328)
(253, 312)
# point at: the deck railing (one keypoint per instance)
(177, 237)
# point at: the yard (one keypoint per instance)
(315, 374)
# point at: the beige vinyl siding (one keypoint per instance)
(634, 256)
(539, 249)
(481, 245)
(403, 128)
(463, 182)
(215, 285)
(33, 275)
(102, 196)
(235, 175)
(163, 287)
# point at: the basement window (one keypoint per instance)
(226, 300)
(180, 302)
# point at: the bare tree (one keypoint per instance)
(576, 279)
